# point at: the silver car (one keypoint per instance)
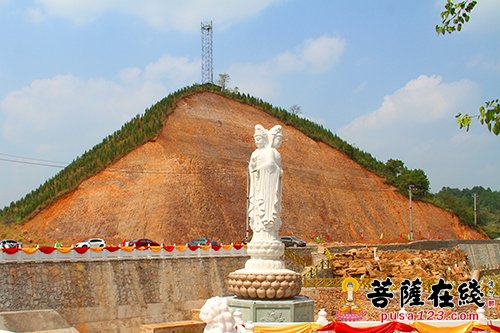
(91, 242)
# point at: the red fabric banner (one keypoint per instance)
(46, 249)
(111, 248)
(238, 246)
(389, 327)
(81, 250)
(495, 328)
(193, 247)
(169, 248)
(216, 247)
(10, 250)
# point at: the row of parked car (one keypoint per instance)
(98, 242)
(144, 242)
(289, 241)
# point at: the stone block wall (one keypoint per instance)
(116, 296)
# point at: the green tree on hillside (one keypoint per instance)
(462, 204)
(417, 178)
(395, 167)
(402, 178)
(295, 109)
(223, 80)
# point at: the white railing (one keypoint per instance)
(112, 253)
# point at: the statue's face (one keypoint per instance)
(259, 140)
(278, 139)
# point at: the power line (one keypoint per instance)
(33, 163)
(62, 165)
(109, 169)
(32, 159)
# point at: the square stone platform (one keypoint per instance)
(297, 309)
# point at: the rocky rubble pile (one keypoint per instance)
(427, 265)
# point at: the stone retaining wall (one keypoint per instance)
(116, 296)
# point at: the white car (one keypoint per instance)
(91, 242)
(10, 244)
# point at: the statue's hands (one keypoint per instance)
(268, 224)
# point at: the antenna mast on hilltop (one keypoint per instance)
(207, 75)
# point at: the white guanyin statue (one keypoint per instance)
(265, 275)
(266, 171)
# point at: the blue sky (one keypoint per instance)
(374, 72)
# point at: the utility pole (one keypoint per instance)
(410, 187)
(475, 208)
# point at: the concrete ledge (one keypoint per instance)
(187, 326)
(35, 321)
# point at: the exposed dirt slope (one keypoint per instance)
(191, 182)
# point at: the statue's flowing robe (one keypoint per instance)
(265, 171)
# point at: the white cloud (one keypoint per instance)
(179, 70)
(420, 102)
(323, 53)
(183, 15)
(79, 12)
(314, 56)
(34, 15)
(58, 118)
(484, 63)
(417, 125)
(484, 16)
(84, 111)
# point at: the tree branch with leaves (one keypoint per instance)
(454, 16)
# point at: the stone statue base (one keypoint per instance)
(279, 284)
(294, 310)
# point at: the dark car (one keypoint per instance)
(292, 241)
(142, 242)
(10, 244)
(202, 241)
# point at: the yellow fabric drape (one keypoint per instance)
(227, 247)
(205, 247)
(295, 328)
(97, 249)
(426, 328)
(156, 248)
(29, 250)
(181, 248)
(127, 248)
(482, 327)
(64, 249)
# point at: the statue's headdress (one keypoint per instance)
(275, 131)
(260, 131)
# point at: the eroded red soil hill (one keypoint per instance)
(191, 182)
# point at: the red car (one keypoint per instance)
(142, 242)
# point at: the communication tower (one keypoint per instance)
(207, 75)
